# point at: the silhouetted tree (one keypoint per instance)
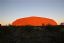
(0, 24)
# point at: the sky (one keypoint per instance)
(10, 10)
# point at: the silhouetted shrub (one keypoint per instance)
(32, 34)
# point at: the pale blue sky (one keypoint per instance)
(13, 9)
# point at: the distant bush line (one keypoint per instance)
(32, 34)
(57, 28)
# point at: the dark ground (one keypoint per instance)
(28, 34)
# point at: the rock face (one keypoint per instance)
(34, 21)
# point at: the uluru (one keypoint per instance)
(34, 21)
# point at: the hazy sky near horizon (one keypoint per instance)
(13, 9)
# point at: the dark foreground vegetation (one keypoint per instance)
(32, 34)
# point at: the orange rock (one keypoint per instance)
(34, 21)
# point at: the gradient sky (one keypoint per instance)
(10, 10)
